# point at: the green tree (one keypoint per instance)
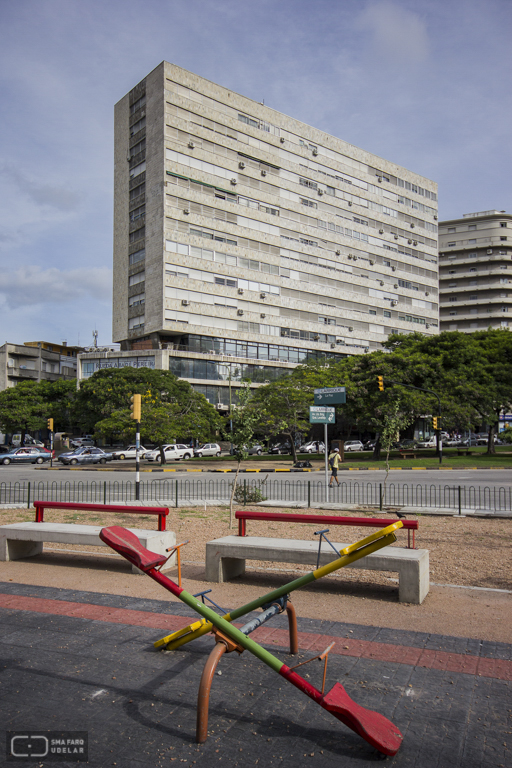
(242, 434)
(23, 408)
(282, 408)
(171, 408)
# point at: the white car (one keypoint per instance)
(312, 447)
(172, 452)
(208, 449)
(353, 445)
(129, 453)
(430, 443)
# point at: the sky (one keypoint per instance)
(424, 85)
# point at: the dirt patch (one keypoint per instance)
(466, 552)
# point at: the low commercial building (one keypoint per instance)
(37, 361)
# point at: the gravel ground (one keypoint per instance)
(464, 553)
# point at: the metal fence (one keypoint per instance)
(176, 492)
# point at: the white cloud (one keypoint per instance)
(31, 285)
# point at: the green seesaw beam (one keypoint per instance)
(349, 555)
(376, 729)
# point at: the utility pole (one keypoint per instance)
(135, 409)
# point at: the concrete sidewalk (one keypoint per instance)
(84, 661)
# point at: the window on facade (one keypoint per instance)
(471, 242)
(450, 245)
(472, 226)
(452, 298)
(503, 239)
(451, 229)
(473, 296)
(308, 203)
(387, 313)
(138, 213)
(134, 258)
(503, 223)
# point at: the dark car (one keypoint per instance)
(281, 448)
(85, 455)
(28, 454)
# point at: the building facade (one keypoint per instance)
(36, 361)
(475, 272)
(246, 242)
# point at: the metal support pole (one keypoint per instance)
(176, 493)
(137, 462)
(309, 493)
(104, 491)
(380, 496)
(326, 464)
(460, 501)
(28, 496)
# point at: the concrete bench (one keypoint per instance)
(225, 559)
(26, 539)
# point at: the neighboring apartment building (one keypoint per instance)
(246, 242)
(475, 271)
(36, 361)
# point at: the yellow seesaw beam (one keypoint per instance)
(349, 555)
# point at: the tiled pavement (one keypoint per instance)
(83, 661)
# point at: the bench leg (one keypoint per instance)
(12, 549)
(220, 569)
(414, 581)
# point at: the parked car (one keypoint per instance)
(431, 442)
(409, 443)
(451, 441)
(280, 448)
(85, 455)
(313, 447)
(129, 453)
(256, 450)
(470, 441)
(353, 445)
(78, 442)
(172, 452)
(370, 445)
(28, 454)
(208, 449)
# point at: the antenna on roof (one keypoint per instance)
(95, 337)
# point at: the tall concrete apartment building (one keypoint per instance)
(475, 271)
(246, 242)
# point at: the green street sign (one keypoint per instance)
(330, 396)
(321, 414)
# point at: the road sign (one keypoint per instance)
(321, 414)
(331, 396)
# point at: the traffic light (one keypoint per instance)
(434, 422)
(381, 383)
(135, 407)
(49, 424)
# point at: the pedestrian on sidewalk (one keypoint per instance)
(334, 460)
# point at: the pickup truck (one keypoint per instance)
(430, 443)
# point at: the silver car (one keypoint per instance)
(353, 445)
(28, 454)
(208, 449)
(85, 455)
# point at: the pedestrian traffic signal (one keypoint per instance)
(49, 424)
(435, 420)
(135, 407)
(381, 383)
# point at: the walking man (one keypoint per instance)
(334, 460)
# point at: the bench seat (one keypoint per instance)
(19, 540)
(225, 559)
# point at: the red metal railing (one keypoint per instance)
(162, 512)
(292, 517)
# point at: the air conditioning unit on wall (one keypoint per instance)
(185, 302)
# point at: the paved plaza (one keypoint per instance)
(84, 661)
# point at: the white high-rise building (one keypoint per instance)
(246, 242)
(475, 272)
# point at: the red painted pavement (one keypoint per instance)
(500, 669)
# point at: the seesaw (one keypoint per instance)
(373, 727)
